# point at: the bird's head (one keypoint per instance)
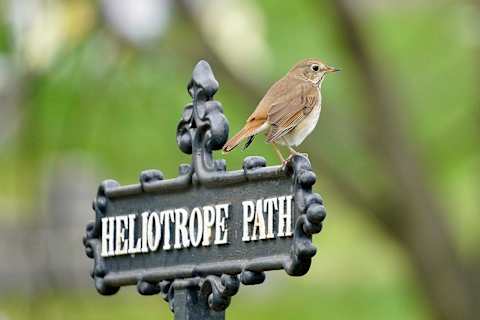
(312, 70)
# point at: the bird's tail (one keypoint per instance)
(250, 129)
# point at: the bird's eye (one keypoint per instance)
(315, 67)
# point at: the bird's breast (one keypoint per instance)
(304, 128)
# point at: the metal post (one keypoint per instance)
(191, 304)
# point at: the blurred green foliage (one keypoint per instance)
(302, 301)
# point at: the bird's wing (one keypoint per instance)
(291, 108)
(258, 118)
(277, 89)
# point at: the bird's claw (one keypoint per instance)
(286, 161)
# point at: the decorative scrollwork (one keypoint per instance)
(248, 277)
(147, 288)
(203, 126)
(219, 290)
(150, 176)
(166, 292)
(310, 206)
(184, 137)
(91, 239)
(253, 162)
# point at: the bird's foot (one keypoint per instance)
(298, 154)
(286, 161)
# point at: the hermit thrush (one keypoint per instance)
(289, 111)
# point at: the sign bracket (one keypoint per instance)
(201, 298)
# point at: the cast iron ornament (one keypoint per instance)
(202, 129)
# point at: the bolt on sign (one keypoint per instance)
(194, 238)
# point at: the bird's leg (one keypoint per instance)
(293, 151)
(279, 154)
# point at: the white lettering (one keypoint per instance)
(181, 232)
(107, 236)
(154, 231)
(270, 205)
(166, 217)
(285, 216)
(259, 222)
(208, 223)
(248, 215)
(121, 246)
(202, 226)
(196, 236)
(144, 231)
(221, 232)
(132, 248)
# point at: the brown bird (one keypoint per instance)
(290, 109)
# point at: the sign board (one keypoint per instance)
(207, 223)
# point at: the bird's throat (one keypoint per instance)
(319, 82)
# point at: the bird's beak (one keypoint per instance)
(332, 69)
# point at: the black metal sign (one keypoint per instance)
(197, 236)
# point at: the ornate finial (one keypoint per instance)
(203, 84)
(203, 127)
